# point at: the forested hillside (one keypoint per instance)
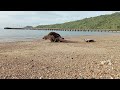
(111, 21)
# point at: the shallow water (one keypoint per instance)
(10, 35)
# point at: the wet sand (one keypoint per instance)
(77, 59)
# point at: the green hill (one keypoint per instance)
(111, 21)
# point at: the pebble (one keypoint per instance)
(106, 77)
(41, 77)
(32, 66)
(92, 78)
(108, 62)
(102, 62)
(112, 68)
(81, 77)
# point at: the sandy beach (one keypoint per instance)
(40, 59)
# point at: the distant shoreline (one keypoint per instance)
(40, 38)
(11, 35)
(63, 29)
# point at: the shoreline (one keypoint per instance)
(41, 59)
(30, 40)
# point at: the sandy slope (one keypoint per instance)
(45, 60)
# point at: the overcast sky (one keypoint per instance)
(34, 18)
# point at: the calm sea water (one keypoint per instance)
(10, 35)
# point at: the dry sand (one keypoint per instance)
(41, 59)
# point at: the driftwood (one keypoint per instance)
(89, 40)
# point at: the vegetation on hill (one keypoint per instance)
(111, 21)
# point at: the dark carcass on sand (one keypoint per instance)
(54, 37)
